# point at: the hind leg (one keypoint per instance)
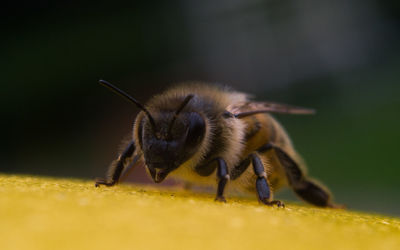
(305, 188)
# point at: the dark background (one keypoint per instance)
(340, 57)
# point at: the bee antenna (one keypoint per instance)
(131, 99)
(183, 104)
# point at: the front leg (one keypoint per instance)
(222, 175)
(116, 168)
(223, 178)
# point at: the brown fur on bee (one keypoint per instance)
(211, 135)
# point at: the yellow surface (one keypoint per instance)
(49, 213)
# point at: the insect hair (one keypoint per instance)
(184, 103)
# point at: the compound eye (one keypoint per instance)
(196, 130)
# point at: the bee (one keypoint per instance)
(211, 135)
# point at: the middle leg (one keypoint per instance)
(262, 186)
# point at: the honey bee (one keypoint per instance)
(211, 135)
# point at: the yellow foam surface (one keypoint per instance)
(50, 213)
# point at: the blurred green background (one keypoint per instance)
(340, 57)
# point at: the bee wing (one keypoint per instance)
(244, 109)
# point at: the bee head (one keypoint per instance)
(175, 138)
(171, 139)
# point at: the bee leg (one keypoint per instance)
(116, 168)
(223, 178)
(304, 187)
(262, 186)
(239, 169)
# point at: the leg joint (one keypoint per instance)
(222, 171)
(258, 166)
